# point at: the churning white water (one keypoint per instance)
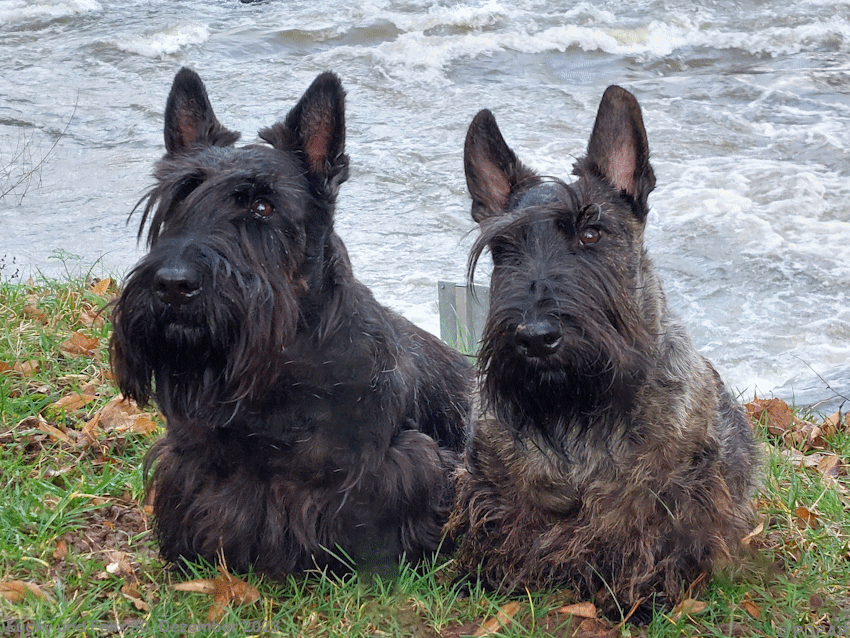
(747, 107)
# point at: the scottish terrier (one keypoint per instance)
(307, 426)
(606, 453)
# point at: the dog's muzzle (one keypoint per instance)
(176, 285)
(537, 339)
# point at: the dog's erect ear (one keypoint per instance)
(189, 118)
(315, 129)
(618, 150)
(492, 169)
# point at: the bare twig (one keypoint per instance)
(22, 162)
(825, 382)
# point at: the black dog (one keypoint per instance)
(607, 453)
(306, 423)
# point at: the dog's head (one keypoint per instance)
(572, 310)
(239, 239)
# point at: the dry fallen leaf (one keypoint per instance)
(27, 368)
(814, 435)
(61, 550)
(119, 565)
(80, 345)
(74, 401)
(149, 500)
(794, 431)
(829, 465)
(198, 586)
(504, 617)
(687, 607)
(15, 590)
(123, 415)
(226, 590)
(751, 609)
(76, 380)
(143, 424)
(34, 312)
(52, 472)
(583, 610)
(131, 593)
(775, 413)
(798, 459)
(806, 517)
(91, 429)
(102, 286)
(757, 530)
(91, 317)
(55, 433)
(835, 421)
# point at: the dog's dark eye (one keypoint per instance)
(262, 208)
(589, 236)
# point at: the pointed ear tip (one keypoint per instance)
(329, 82)
(615, 93)
(484, 115)
(483, 125)
(185, 74)
(615, 88)
(329, 76)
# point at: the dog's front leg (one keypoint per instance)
(398, 510)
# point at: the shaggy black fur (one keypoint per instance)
(305, 422)
(606, 452)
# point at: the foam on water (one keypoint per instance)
(785, 259)
(746, 107)
(431, 40)
(164, 42)
(14, 11)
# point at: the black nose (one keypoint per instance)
(538, 338)
(176, 285)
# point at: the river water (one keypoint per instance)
(746, 104)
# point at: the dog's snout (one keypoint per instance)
(176, 285)
(539, 338)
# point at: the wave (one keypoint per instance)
(16, 11)
(164, 42)
(432, 40)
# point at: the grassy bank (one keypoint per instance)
(77, 555)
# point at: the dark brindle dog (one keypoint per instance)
(305, 421)
(607, 453)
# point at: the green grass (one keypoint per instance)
(73, 526)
